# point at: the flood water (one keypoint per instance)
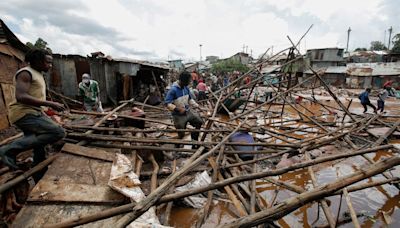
(375, 207)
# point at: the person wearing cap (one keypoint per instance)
(89, 90)
(178, 101)
(26, 111)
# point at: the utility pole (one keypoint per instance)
(246, 49)
(244, 46)
(348, 38)
(390, 36)
(200, 51)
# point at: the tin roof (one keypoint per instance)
(7, 36)
(364, 69)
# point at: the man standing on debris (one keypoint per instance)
(89, 90)
(202, 88)
(178, 101)
(364, 98)
(26, 112)
(383, 94)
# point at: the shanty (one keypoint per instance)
(278, 133)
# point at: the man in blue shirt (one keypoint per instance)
(178, 101)
(364, 98)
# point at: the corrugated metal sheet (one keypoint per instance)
(364, 69)
(373, 69)
(66, 68)
(270, 69)
(128, 68)
(127, 60)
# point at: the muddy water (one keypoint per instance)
(376, 207)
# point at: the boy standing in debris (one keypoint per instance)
(364, 98)
(178, 101)
(26, 112)
(383, 94)
(89, 90)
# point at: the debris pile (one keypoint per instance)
(248, 158)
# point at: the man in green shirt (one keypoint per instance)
(89, 90)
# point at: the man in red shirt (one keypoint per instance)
(202, 88)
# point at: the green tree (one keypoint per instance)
(377, 46)
(361, 49)
(228, 65)
(396, 43)
(40, 43)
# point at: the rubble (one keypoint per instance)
(276, 150)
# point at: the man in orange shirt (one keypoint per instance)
(195, 79)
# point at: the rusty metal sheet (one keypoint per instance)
(56, 191)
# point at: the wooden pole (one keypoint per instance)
(128, 207)
(324, 203)
(81, 143)
(294, 203)
(4, 187)
(353, 214)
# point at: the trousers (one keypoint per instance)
(180, 122)
(39, 130)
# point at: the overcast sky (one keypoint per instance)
(174, 29)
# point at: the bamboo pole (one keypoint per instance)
(169, 205)
(324, 203)
(293, 203)
(326, 86)
(128, 207)
(98, 123)
(169, 141)
(150, 200)
(353, 214)
(4, 187)
(239, 206)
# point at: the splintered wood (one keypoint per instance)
(254, 157)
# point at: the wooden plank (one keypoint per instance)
(41, 215)
(79, 170)
(56, 191)
(88, 152)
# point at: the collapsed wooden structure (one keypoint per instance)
(279, 126)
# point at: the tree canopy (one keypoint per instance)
(377, 46)
(396, 43)
(228, 65)
(361, 49)
(40, 44)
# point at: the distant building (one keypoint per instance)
(358, 75)
(367, 56)
(212, 59)
(176, 64)
(242, 57)
(325, 57)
